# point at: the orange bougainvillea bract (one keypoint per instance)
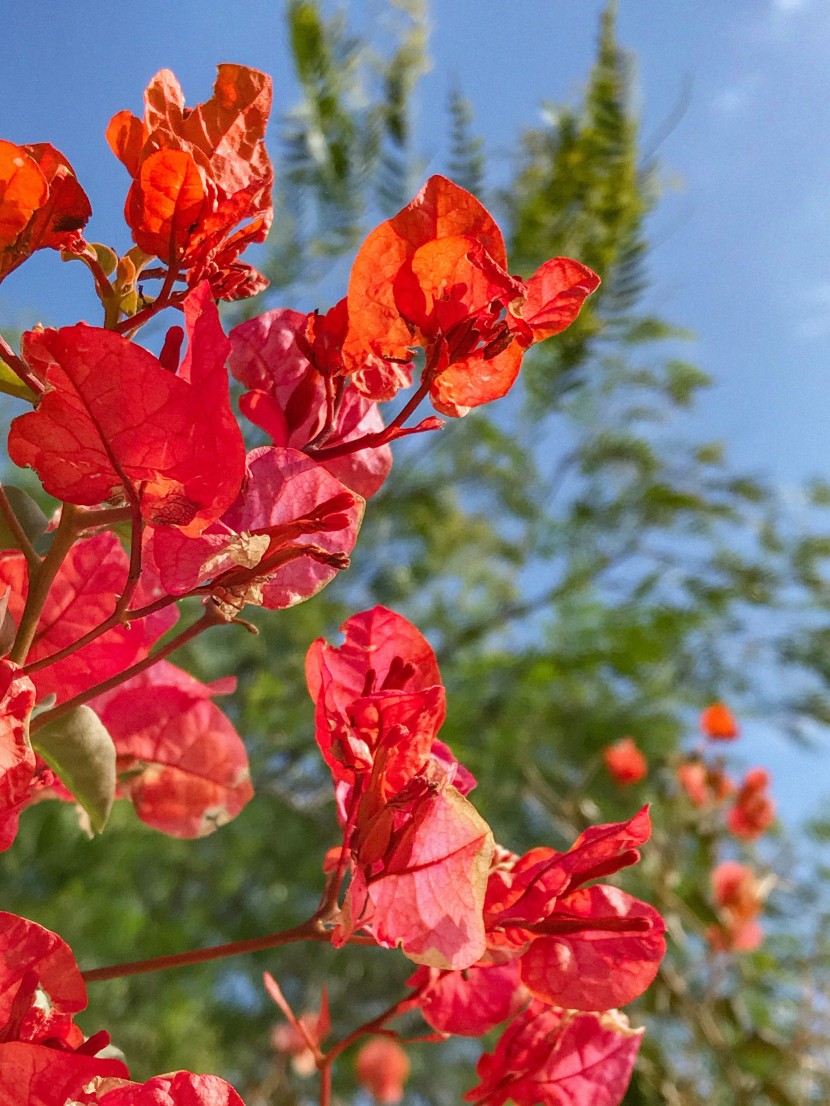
(41, 203)
(718, 723)
(197, 174)
(435, 276)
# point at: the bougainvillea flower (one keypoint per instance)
(583, 947)
(383, 676)
(177, 1088)
(753, 811)
(180, 760)
(41, 203)
(417, 850)
(704, 784)
(382, 1067)
(41, 1076)
(287, 395)
(717, 722)
(323, 338)
(288, 533)
(625, 762)
(435, 275)
(83, 595)
(115, 421)
(17, 760)
(419, 876)
(471, 1002)
(198, 173)
(41, 988)
(739, 898)
(552, 1057)
(44, 1059)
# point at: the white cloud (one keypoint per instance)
(814, 318)
(737, 97)
(788, 6)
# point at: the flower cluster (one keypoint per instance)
(157, 500)
(746, 811)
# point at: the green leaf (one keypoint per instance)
(33, 521)
(12, 385)
(758, 1055)
(79, 749)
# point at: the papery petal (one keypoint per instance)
(23, 190)
(471, 1002)
(447, 280)
(554, 295)
(380, 642)
(550, 1057)
(113, 416)
(717, 722)
(475, 380)
(429, 898)
(41, 203)
(382, 1066)
(625, 762)
(595, 968)
(440, 210)
(67, 208)
(287, 398)
(280, 508)
(38, 1076)
(178, 1088)
(186, 769)
(17, 760)
(167, 200)
(26, 947)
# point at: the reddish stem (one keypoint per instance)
(102, 284)
(207, 620)
(21, 537)
(328, 423)
(325, 1084)
(166, 298)
(380, 437)
(397, 1010)
(312, 930)
(117, 616)
(328, 903)
(40, 581)
(105, 516)
(20, 368)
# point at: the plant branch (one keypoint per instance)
(380, 437)
(40, 581)
(20, 368)
(165, 298)
(311, 930)
(33, 558)
(396, 1010)
(117, 617)
(207, 620)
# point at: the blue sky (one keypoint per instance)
(742, 240)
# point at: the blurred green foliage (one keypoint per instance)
(583, 572)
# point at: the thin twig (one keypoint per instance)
(41, 580)
(311, 930)
(20, 368)
(207, 620)
(33, 558)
